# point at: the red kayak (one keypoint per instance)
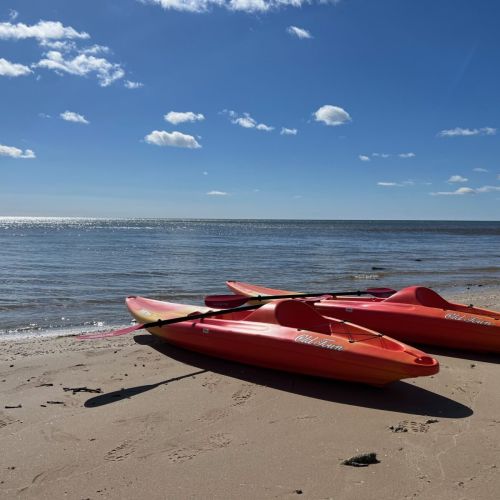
(414, 315)
(288, 335)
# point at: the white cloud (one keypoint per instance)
(246, 121)
(13, 14)
(479, 169)
(364, 158)
(488, 189)
(288, 131)
(264, 127)
(133, 85)
(298, 32)
(459, 192)
(332, 115)
(71, 116)
(457, 178)
(407, 155)
(43, 30)
(396, 184)
(14, 152)
(250, 6)
(60, 45)
(464, 132)
(388, 184)
(217, 193)
(177, 117)
(95, 49)
(83, 65)
(467, 190)
(381, 155)
(174, 139)
(8, 68)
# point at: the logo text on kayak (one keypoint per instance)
(467, 319)
(323, 343)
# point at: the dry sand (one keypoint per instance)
(168, 423)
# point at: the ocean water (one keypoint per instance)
(62, 276)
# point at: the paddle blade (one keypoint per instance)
(381, 292)
(114, 333)
(226, 301)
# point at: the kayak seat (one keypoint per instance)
(419, 295)
(292, 314)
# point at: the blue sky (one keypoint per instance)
(357, 109)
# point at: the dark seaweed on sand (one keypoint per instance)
(363, 460)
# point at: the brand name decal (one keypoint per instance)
(467, 319)
(323, 343)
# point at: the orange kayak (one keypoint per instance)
(413, 315)
(288, 335)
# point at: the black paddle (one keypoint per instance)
(222, 301)
(162, 322)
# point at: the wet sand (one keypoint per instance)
(132, 417)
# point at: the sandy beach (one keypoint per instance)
(132, 417)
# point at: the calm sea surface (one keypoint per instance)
(64, 276)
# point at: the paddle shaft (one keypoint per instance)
(189, 317)
(162, 322)
(221, 301)
(302, 295)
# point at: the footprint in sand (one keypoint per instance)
(214, 415)
(211, 382)
(412, 426)
(219, 440)
(215, 442)
(120, 453)
(182, 455)
(241, 396)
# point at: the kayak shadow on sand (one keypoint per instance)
(401, 397)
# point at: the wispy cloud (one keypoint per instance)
(479, 169)
(288, 131)
(298, 32)
(16, 153)
(396, 184)
(217, 193)
(488, 189)
(173, 139)
(177, 117)
(465, 132)
(246, 121)
(83, 65)
(11, 69)
(332, 115)
(467, 190)
(387, 155)
(133, 85)
(13, 14)
(249, 6)
(457, 178)
(43, 30)
(71, 116)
